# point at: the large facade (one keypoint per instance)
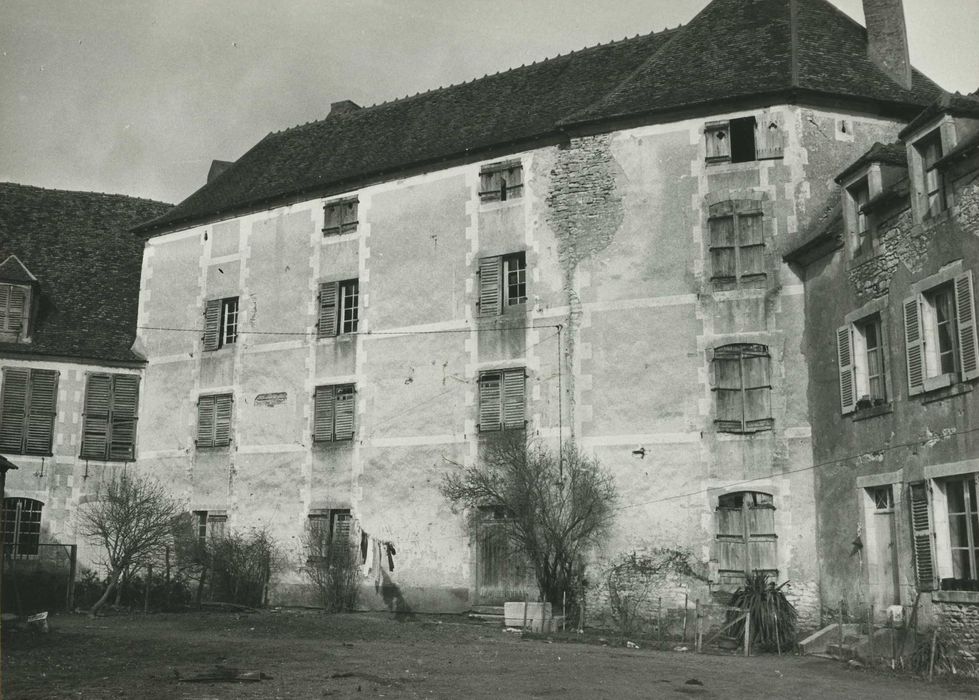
(327, 335)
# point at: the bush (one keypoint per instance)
(773, 618)
(335, 573)
(241, 567)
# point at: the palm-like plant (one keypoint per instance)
(773, 618)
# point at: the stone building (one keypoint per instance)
(69, 284)
(892, 369)
(587, 248)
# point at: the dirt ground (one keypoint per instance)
(313, 655)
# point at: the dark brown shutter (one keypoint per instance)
(327, 324)
(95, 431)
(490, 402)
(212, 324)
(205, 421)
(966, 315)
(914, 345)
(42, 410)
(921, 533)
(344, 413)
(125, 400)
(323, 414)
(514, 383)
(490, 291)
(222, 420)
(13, 410)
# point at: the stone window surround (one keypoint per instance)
(881, 308)
(769, 485)
(874, 178)
(945, 124)
(935, 474)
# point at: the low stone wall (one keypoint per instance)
(957, 614)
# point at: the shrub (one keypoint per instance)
(242, 566)
(332, 567)
(773, 618)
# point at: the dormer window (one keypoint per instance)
(857, 196)
(13, 311)
(930, 151)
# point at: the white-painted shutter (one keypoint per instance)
(13, 410)
(222, 420)
(212, 324)
(41, 411)
(95, 432)
(915, 346)
(844, 354)
(205, 421)
(769, 136)
(323, 414)
(327, 324)
(490, 402)
(490, 291)
(514, 383)
(965, 309)
(125, 401)
(924, 545)
(344, 410)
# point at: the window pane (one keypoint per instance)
(955, 494)
(956, 530)
(960, 564)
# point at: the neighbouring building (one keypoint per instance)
(892, 351)
(70, 387)
(588, 247)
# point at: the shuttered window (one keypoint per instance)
(746, 538)
(502, 283)
(214, 420)
(922, 533)
(220, 322)
(109, 429)
(21, 526)
(499, 182)
(333, 413)
(963, 526)
(742, 388)
(745, 139)
(13, 307)
(737, 244)
(502, 400)
(860, 358)
(28, 407)
(340, 216)
(339, 308)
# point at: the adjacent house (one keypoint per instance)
(588, 248)
(893, 363)
(70, 387)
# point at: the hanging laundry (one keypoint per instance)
(364, 541)
(389, 549)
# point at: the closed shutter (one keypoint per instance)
(5, 290)
(205, 421)
(327, 324)
(95, 431)
(323, 414)
(490, 405)
(762, 540)
(344, 408)
(966, 315)
(921, 533)
(222, 420)
(722, 250)
(212, 324)
(514, 383)
(125, 401)
(732, 552)
(42, 411)
(490, 291)
(13, 410)
(751, 244)
(770, 136)
(915, 347)
(844, 354)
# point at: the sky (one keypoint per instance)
(139, 96)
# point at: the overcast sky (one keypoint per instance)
(138, 96)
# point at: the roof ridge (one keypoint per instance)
(83, 192)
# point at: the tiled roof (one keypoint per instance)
(87, 263)
(953, 103)
(733, 49)
(13, 270)
(890, 154)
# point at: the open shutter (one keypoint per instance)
(514, 383)
(344, 408)
(844, 353)
(915, 346)
(718, 141)
(205, 421)
(95, 432)
(514, 180)
(762, 540)
(42, 411)
(5, 290)
(212, 324)
(769, 136)
(125, 400)
(490, 292)
(965, 309)
(13, 410)
(323, 414)
(327, 324)
(490, 405)
(222, 420)
(921, 533)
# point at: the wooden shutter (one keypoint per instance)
(915, 346)
(327, 324)
(490, 291)
(42, 403)
(722, 251)
(331, 218)
(844, 354)
(222, 420)
(344, 409)
(514, 383)
(489, 185)
(751, 244)
(490, 402)
(348, 215)
(95, 432)
(212, 324)
(514, 180)
(965, 310)
(921, 533)
(770, 136)
(13, 410)
(323, 414)
(728, 389)
(762, 540)
(732, 553)
(5, 290)
(718, 137)
(205, 421)
(125, 401)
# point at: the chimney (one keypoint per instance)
(887, 39)
(217, 167)
(343, 107)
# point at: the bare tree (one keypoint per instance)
(557, 509)
(132, 519)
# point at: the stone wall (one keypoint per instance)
(960, 621)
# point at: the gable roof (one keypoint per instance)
(953, 103)
(895, 153)
(733, 49)
(13, 270)
(86, 263)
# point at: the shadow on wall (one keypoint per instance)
(393, 599)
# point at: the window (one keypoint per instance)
(214, 420)
(860, 353)
(499, 182)
(27, 410)
(745, 139)
(883, 498)
(940, 335)
(333, 413)
(220, 323)
(963, 527)
(945, 532)
(742, 388)
(501, 400)
(328, 527)
(209, 525)
(339, 304)
(737, 244)
(340, 216)
(21, 526)
(13, 309)
(746, 539)
(109, 429)
(930, 151)
(502, 283)
(858, 194)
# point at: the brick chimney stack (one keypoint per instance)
(343, 107)
(887, 39)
